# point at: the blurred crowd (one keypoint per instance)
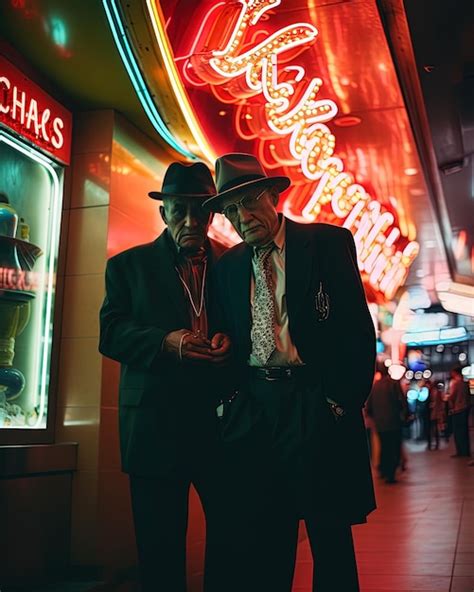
(393, 414)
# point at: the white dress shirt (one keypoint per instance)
(285, 353)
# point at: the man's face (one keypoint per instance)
(187, 222)
(254, 215)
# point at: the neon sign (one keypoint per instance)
(277, 105)
(29, 111)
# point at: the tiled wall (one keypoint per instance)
(80, 365)
(113, 168)
(136, 167)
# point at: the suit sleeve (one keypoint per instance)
(359, 334)
(121, 338)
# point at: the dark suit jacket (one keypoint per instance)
(162, 404)
(339, 350)
(342, 348)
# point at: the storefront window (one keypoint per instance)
(30, 211)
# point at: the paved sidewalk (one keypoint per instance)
(421, 538)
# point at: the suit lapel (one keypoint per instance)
(241, 294)
(167, 279)
(299, 266)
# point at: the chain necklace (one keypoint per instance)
(197, 311)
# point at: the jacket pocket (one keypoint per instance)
(131, 397)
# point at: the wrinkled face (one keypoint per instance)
(187, 222)
(253, 215)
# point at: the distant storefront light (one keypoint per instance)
(396, 371)
(423, 394)
(468, 371)
(455, 297)
(438, 336)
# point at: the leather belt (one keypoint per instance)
(279, 373)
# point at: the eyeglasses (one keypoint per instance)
(249, 203)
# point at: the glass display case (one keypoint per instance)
(30, 210)
(35, 135)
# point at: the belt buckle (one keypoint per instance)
(267, 372)
(283, 373)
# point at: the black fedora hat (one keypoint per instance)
(184, 179)
(237, 172)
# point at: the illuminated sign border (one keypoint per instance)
(136, 77)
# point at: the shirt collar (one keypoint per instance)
(279, 239)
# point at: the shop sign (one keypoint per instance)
(29, 111)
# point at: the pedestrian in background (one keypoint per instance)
(459, 404)
(437, 414)
(386, 405)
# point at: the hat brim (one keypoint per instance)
(159, 195)
(214, 204)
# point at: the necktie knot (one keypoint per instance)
(262, 253)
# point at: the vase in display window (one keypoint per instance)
(17, 290)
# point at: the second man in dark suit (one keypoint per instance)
(293, 303)
(154, 321)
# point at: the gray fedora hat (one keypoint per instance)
(184, 179)
(237, 172)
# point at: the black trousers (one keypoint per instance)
(160, 513)
(334, 562)
(390, 450)
(270, 511)
(461, 432)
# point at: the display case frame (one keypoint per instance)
(29, 120)
(46, 339)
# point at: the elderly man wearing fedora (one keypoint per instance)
(293, 304)
(154, 321)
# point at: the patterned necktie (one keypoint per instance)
(263, 322)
